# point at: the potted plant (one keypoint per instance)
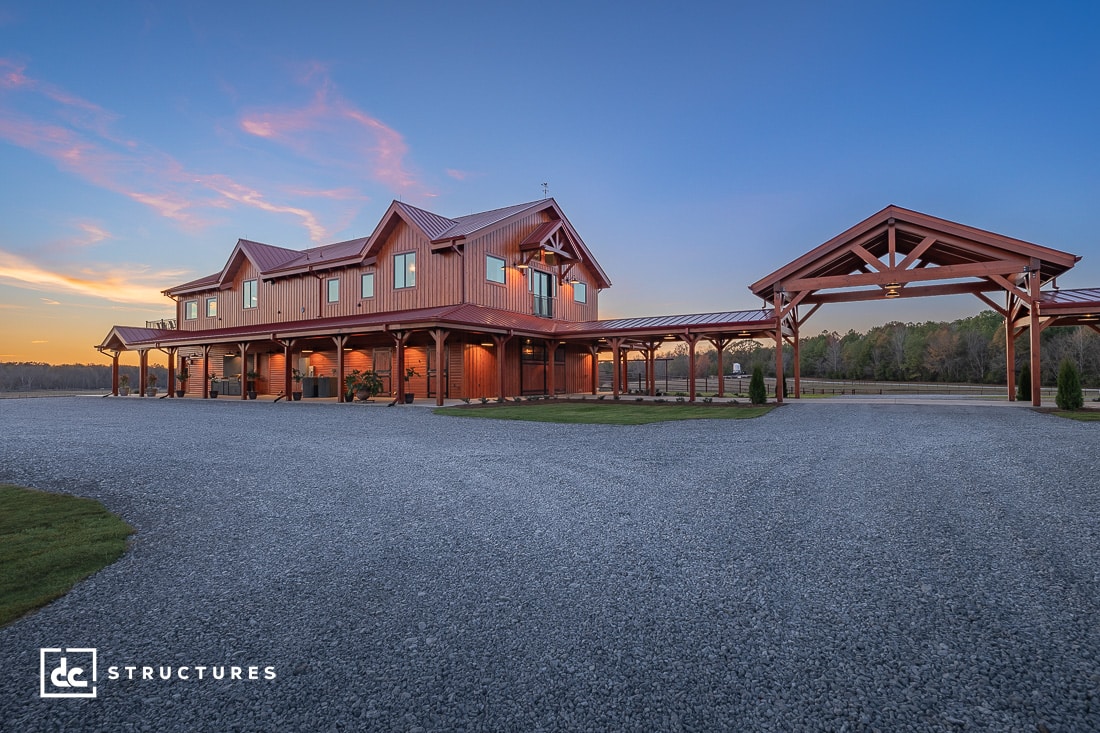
(253, 377)
(124, 385)
(151, 384)
(363, 384)
(409, 374)
(181, 376)
(213, 386)
(296, 375)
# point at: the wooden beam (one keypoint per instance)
(892, 243)
(143, 369)
(340, 342)
(874, 262)
(399, 338)
(778, 306)
(913, 291)
(797, 367)
(499, 342)
(1010, 346)
(989, 301)
(948, 272)
(616, 356)
(793, 302)
(917, 252)
(243, 347)
(690, 339)
(1010, 287)
(206, 371)
(114, 373)
(171, 372)
(720, 345)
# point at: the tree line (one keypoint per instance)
(967, 350)
(29, 376)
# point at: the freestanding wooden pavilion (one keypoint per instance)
(898, 253)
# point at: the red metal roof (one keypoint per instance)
(266, 256)
(1059, 299)
(434, 225)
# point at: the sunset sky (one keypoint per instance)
(695, 147)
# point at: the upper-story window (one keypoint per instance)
(333, 286)
(494, 269)
(404, 270)
(250, 293)
(191, 310)
(211, 307)
(367, 287)
(580, 293)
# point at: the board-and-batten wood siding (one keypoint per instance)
(514, 295)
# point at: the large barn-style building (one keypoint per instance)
(505, 303)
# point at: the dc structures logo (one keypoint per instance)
(67, 672)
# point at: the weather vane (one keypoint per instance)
(545, 189)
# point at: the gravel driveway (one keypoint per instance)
(827, 567)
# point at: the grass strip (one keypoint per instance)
(1079, 415)
(49, 542)
(606, 414)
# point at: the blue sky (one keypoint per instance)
(695, 147)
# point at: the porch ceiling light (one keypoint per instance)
(892, 290)
(1090, 317)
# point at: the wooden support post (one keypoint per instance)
(720, 344)
(206, 371)
(288, 371)
(796, 364)
(500, 342)
(594, 367)
(1010, 345)
(778, 299)
(616, 365)
(1036, 332)
(691, 339)
(340, 342)
(551, 354)
(440, 336)
(171, 372)
(143, 369)
(242, 346)
(114, 373)
(400, 338)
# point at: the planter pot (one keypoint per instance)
(251, 395)
(409, 398)
(180, 392)
(124, 391)
(296, 396)
(152, 391)
(213, 394)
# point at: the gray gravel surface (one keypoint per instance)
(829, 567)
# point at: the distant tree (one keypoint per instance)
(1069, 395)
(758, 393)
(1023, 384)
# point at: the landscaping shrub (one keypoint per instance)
(758, 393)
(1069, 395)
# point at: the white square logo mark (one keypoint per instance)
(67, 672)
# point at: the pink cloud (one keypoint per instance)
(330, 130)
(115, 284)
(79, 140)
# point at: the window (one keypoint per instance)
(542, 286)
(494, 269)
(580, 293)
(368, 285)
(404, 270)
(191, 310)
(211, 307)
(333, 289)
(249, 291)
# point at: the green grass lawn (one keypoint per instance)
(48, 542)
(607, 413)
(1082, 415)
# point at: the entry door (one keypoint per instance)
(382, 361)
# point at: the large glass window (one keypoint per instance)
(494, 269)
(250, 292)
(191, 310)
(368, 285)
(542, 286)
(404, 270)
(333, 289)
(211, 307)
(580, 292)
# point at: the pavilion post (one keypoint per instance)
(1010, 345)
(616, 365)
(691, 339)
(720, 344)
(1036, 332)
(778, 300)
(171, 372)
(400, 338)
(242, 347)
(500, 342)
(551, 355)
(206, 371)
(594, 363)
(796, 365)
(288, 372)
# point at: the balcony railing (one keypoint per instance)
(167, 324)
(544, 306)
